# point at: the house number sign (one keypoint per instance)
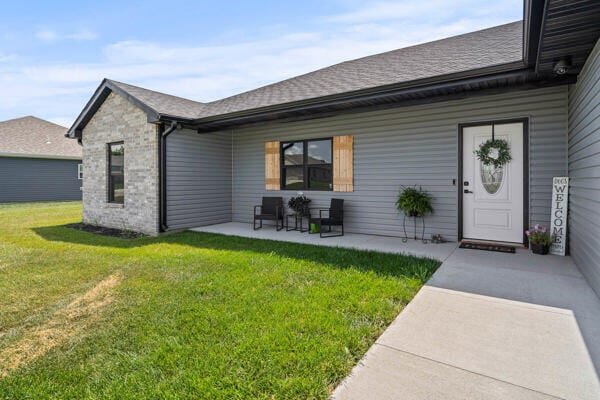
(560, 201)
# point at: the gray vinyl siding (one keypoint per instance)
(38, 179)
(406, 146)
(584, 169)
(198, 179)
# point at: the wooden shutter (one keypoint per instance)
(343, 170)
(272, 168)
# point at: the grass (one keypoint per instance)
(187, 315)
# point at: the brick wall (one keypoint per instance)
(119, 120)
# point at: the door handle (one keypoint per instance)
(467, 191)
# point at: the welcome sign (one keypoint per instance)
(560, 201)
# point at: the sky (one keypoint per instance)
(54, 54)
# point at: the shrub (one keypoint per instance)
(414, 202)
(299, 204)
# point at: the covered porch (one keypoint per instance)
(218, 177)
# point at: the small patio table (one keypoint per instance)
(298, 222)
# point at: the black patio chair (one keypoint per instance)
(271, 209)
(328, 217)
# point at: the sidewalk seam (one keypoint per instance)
(581, 277)
(468, 371)
(498, 300)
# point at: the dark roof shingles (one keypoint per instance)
(472, 51)
(489, 47)
(165, 104)
(34, 136)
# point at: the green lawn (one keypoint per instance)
(184, 315)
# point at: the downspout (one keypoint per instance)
(162, 165)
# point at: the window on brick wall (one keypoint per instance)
(116, 178)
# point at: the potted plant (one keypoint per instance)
(539, 239)
(299, 204)
(414, 202)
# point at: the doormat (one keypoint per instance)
(502, 248)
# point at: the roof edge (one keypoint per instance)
(46, 156)
(533, 19)
(33, 117)
(100, 94)
(374, 91)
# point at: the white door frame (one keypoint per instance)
(525, 122)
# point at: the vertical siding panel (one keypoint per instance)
(406, 146)
(198, 179)
(584, 169)
(38, 179)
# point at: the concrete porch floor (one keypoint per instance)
(383, 244)
(486, 326)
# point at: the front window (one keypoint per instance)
(79, 171)
(116, 181)
(307, 165)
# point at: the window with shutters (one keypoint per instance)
(313, 164)
(307, 164)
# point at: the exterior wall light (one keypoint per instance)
(562, 67)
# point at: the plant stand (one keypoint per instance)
(422, 238)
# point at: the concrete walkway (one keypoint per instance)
(489, 326)
(486, 326)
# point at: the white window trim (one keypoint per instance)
(80, 171)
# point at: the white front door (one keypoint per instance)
(493, 198)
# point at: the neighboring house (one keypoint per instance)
(37, 162)
(405, 117)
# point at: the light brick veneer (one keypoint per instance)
(119, 120)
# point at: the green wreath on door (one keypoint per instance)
(494, 152)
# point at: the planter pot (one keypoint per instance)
(540, 248)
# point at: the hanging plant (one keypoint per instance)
(494, 152)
